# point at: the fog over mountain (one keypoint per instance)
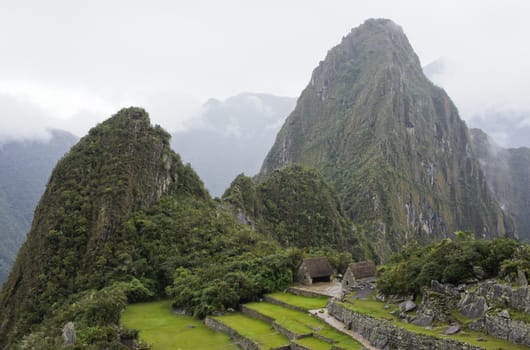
(25, 167)
(169, 57)
(508, 123)
(231, 137)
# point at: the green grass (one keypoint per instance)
(259, 331)
(303, 323)
(159, 326)
(295, 321)
(314, 343)
(376, 309)
(306, 303)
(519, 315)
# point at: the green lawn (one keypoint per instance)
(295, 321)
(159, 326)
(303, 323)
(307, 303)
(314, 343)
(376, 309)
(259, 331)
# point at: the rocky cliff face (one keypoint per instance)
(507, 171)
(390, 141)
(124, 164)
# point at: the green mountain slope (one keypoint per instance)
(507, 171)
(25, 166)
(123, 220)
(390, 141)
(297, 208)
(123, 165)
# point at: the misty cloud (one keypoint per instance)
(81, 62)
(21, 119)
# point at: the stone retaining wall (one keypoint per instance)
(323, 338)
(384, 335)
(295, 346)
(514, 331)
(255, 314)
(505, 295)
(305, 293)
(290, 335)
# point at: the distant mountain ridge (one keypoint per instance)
(232, 137)
(25, 167)
(390, 141)
(507, 171)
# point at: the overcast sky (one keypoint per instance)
(69, 64)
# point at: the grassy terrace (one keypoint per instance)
(259, 331)
(302, 323)
(301, 301)
(159, 326)
(314, 343)
(376, 309)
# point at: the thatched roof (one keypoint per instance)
(363, 269)
(317, 267)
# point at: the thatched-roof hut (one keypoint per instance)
(356, 271)
(315, 270)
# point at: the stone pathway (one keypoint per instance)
(341, 327)
(330, 289)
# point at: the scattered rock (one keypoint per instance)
(380, 297)
(423, 320)
(452, 330)
(69, 334)
(521, 278)
(407, 306)
(479, 272)
(471, 305)
(447, 288)
(425, 316)
(191, 326)
(386, 307)
(504, 314)
(481, 339)
(477, 325)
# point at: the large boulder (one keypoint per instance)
(452, 329)
(472, 305)
(407, 305)
(425, 316)
(69, 334)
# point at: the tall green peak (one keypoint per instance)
(390, 142)
(124, 165)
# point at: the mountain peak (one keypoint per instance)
(390, 141)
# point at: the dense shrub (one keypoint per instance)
(451, 262)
